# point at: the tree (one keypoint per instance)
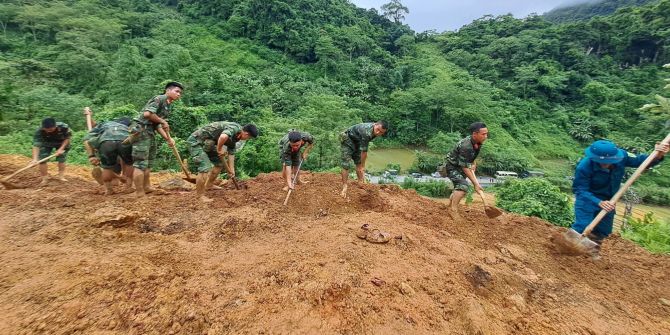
(657, 113)
(33, 18)
(327, 53)
(395, 10)
(7, 13)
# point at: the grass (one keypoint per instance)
(660, 213)
(556, 167)
(379, 158)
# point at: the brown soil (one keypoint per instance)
(74, 261)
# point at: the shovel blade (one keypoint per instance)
(492, 212)
(190, 180)
(573, 243)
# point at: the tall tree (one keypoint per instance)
(395, 10)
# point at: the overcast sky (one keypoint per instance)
(444, 15)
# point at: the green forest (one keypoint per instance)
(545, 90)
(589, 9)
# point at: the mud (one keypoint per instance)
(75, 261)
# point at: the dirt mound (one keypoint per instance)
(76, 261)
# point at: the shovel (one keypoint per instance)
(574, 242)
(230, 173)
(9, 186)
(491, 212)
(295, 178)
(188, 177)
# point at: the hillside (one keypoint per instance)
(588, 9)
(75, 261)
(545, 90)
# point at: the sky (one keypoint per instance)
(442, 15)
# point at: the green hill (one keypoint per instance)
(545, 90)
(588, 9)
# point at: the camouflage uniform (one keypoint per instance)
(202, 144)
(143, 132)
(462, 156)
(107, 139)
(47, 142)
(289, 157)
(353, 141)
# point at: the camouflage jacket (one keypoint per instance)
(463, 154)
(361, 135)
(285, 144)
(214, 130)
(106, 131)
(54, 139)
(157, 105)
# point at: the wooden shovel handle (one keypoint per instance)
(225, 163)
(625, 187)
(178, 156)
(294, 180)
(28, 167)
(181, 162)
(89, 122)
(481, 194)
(287, 196)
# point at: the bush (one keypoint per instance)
(654, 195)
(426, 162)
(393, 166)
(536, 197)
(435, 189)
(564, 184)
(442, 143)
(17, 143)
(649, 233)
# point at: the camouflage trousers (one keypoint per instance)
(348, 151)
(458, 178)
(46, 150)
(144, 150)
(203, 154)
(110, 152)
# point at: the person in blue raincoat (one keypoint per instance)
(597, 178)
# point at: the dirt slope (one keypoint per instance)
(76, 262)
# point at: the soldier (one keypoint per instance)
(152, 119)
(206, 148)
(52, 135)
(354, 146)
(105, 147)
(289, 154)
(460, 164)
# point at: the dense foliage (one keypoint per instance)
(536, 197)
(545, 90)
(588, 9)
(433, 188)
(649, 233)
